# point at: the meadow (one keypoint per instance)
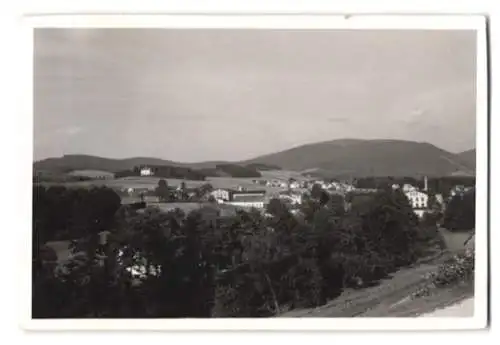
(216, 182)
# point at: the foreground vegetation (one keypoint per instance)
(457, 270)
(203, 265)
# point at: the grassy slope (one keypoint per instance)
(369, 158)
(390, 297)
(468, 157)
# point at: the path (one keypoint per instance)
(462, 309)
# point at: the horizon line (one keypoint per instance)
(246, 159)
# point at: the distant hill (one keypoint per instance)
(468, 157)
(345, 157)
(369, 158)
(68, 163)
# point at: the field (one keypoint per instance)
(216, 182)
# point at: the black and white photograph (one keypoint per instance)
(271, 170)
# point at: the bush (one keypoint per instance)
(458, 270)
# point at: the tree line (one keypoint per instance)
(203, 265)
(220, 170)
(437, 185)
(165, 171)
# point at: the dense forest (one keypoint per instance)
(165, 171)
(203, 265)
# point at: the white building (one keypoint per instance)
(409, 188)
(220, 194)
(259, 204)
(146, 171)
(237, 195)
(247, 200)
(419, 201)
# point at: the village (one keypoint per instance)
(292, 191)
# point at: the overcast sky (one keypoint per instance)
(196, 95)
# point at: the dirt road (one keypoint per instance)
(462, 309)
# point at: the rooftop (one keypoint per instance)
(249, 198)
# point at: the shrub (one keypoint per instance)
(458, 270)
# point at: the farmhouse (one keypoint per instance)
(241, 195)
(220, 195)
(418, 201)
(248, 201)
(145, 171)
(240, 198)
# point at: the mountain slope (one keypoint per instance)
(369, 158)
(346, 157)
(468, 157)
(86, 162)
